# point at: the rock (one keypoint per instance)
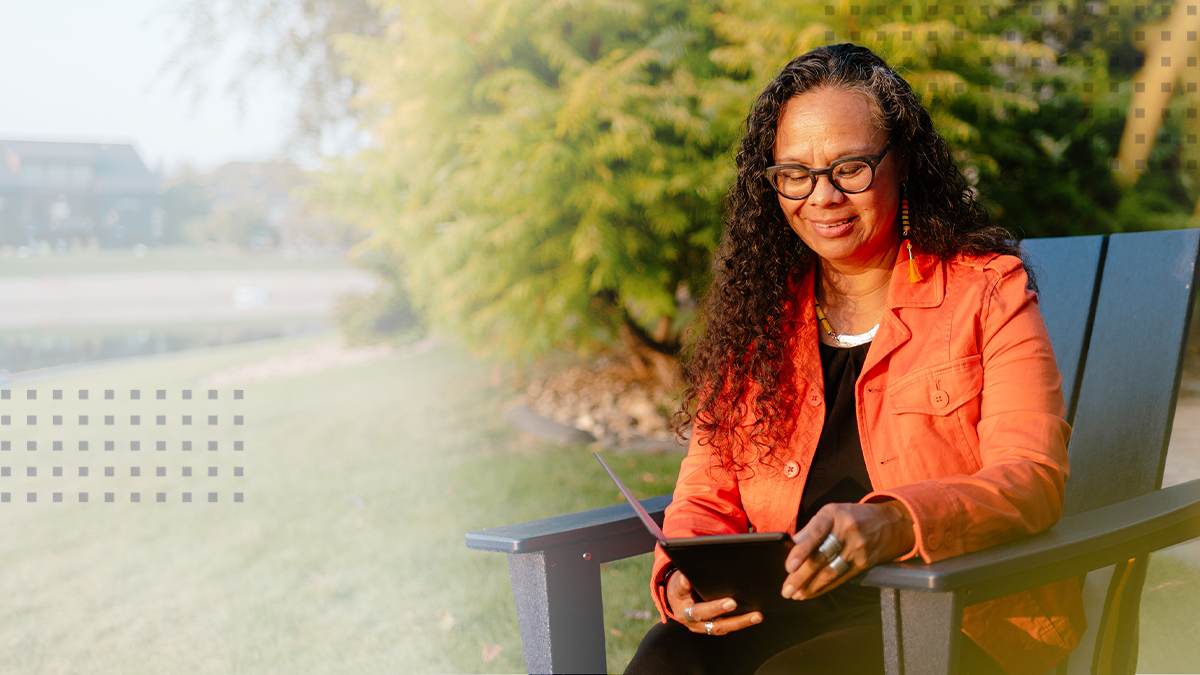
(606, 399)
(525, 419)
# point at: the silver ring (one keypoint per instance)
(830, 548)
(838, 565)
(687, 614)
(708, 627)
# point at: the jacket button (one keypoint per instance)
(791, 469)
(814, 398)
(939, 398)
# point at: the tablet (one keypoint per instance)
(745, 567)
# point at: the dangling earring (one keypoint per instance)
(913, 275)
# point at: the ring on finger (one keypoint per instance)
(830, 548)
(839, 565)
(687, 614)
(708, 626)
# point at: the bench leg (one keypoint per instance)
(560, 609)
(921, 632)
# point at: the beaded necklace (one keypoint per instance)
(840, 340)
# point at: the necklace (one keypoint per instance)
(840, 340)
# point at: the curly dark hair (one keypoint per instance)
(739, 360)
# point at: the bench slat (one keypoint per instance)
(1134, 363)
(1067, 270)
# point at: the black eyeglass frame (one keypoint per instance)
(870, 160)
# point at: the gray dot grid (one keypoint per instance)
(210, 470)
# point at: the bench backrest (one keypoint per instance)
(1067, 270)
(1126, 397)
(1121, 358)
(1119, 351)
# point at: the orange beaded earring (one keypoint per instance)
(913, 275)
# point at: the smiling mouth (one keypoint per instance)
(837, 224)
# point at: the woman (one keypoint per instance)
(879, 391)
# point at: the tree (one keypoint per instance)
(550, 173)
(1161, 112)
(288, 38)
(997, 79)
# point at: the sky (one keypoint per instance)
(91, 70)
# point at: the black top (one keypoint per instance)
(838, 472)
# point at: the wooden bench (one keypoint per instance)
(1117, 308)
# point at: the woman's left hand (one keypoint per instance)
(870, 534)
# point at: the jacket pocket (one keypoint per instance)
(939, 390)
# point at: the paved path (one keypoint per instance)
(1183, 462)
(173, 297)
(1183, 455)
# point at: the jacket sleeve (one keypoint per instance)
(706, 501)
(1022, 436)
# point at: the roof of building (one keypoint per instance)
(71, 166)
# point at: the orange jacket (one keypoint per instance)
(960, 414)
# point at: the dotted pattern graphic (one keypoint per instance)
(132, 446)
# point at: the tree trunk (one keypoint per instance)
(1167, 50)
(649, 358)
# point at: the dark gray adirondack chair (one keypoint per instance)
(1115, 512)
(1117, 309)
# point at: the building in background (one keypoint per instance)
(77, 194)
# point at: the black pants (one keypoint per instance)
(841, 633)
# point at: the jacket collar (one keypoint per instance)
(928, 292)
(902, 291)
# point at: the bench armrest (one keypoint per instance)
(1073, 547)
(554, 564)
(573, 528)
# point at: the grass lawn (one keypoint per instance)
(346, 555)
(1170, 618)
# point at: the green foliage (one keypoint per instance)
(546, 171)
(549, 171)
(385, 314)
(1052, 175)
(1031, 97)
(1047, 172)
(1165, 194)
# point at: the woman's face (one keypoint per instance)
(848, 231)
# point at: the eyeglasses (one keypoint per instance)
(851, 175)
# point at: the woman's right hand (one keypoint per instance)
(679, 596)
